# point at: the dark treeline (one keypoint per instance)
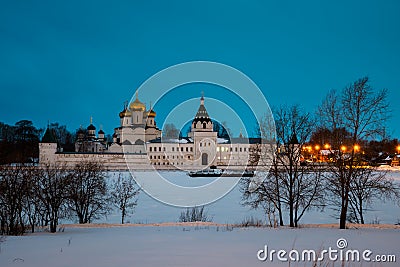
(19, 143)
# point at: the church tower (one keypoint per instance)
(202, 121)
(204, 138)
(137, 108)
(91, 129)
(47, 148)
(125, 116)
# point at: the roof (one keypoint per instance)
(126, 142)
(243, 140)
(91, 127)
(49, 137)
(137, 105)
(139, 142)
(125, 113)
(151, 113)
(202, 114)
(183, 140)
(236, 140)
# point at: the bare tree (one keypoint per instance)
(288, 184)
(301, 186)
(52, 184)
(170, 131)
(124, 194)
(64, 137)
(33, 208)
(369, 185)
(12, 190)
(362, 112)
(266, 195)
(263, 191)
(87, 192)
(21, 197)
(222, 129)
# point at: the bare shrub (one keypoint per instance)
(195, 214)
(251, 222)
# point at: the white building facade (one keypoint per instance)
(139, 144)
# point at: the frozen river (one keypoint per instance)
(228, 209)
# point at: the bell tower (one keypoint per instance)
(204, 138)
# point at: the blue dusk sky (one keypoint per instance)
(64, 61)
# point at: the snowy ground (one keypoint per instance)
(215, 244)
(188, 246)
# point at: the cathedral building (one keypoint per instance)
(137, 126)
(138, 142)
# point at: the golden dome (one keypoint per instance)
(151, 113)
(137, 105)
(125, 113)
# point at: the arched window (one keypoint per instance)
(139, 142)
(204, 159)
(204, 125)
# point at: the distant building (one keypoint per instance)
(139, 143)
(87, 141)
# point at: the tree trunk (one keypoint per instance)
(343, 213)
(291, 204)
(279, 199)
(280, 215)
(81, 221)
(291, 213)
(361, 212)
(122, 215)
(53, 226)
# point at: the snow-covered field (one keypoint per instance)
(213, 244)
(189, 246)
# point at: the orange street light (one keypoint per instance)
(356, 148)
(398, 149)
(317, 147)
(343, 148)
(327, 146)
